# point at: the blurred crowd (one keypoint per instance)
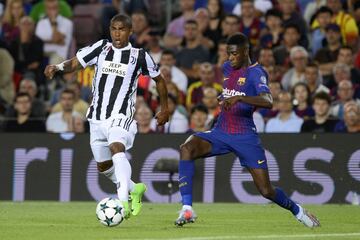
(310, 49)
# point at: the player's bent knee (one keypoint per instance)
(116, 147)
(187, 151)
(103, 166)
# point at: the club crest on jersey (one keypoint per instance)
(241, 81)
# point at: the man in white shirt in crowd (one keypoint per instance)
(65, 120)
(56, 31)
(286, 120)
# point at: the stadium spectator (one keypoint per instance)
(261, 6)
(56, 31)
(178, 122)
(291, 38)
(7, 88)
(38, 11)
(345, 93)
(349, 29)
(153, 46)
(286, 120)
(193, 48)
(210, 101)
(259, 122)
(351, 122)
(266, 57)
(23, 120)
(141, 30)
(80, 105)
(198, 119)
(207, 79)
(323, 16)
(14, 11)
(27, 50)
(143, 117)
(302, 100)
(107, 13)
(38, 107)
(202, 18)
(322, 122)
(313, 79)
(250, 24)
(345, 56)
(311, 10)
(299, 58)
(217, 14)
(181, 80)
(63, 121)
(174, 90)
(341, 72)
(326, 57)
(230, 25)
(271, 36)
(291, 16)
(176, 29)
(219, 59)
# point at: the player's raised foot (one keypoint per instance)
(308, 219)
(136, 198)
(125, 205)
(186, 215)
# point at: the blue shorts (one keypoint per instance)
(247, 147)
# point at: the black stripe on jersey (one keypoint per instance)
(143, 64)
(125, 55)
(109, 57)
(94, 79)
(94, 53)
(141, 59)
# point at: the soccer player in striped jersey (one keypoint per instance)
(244, 89)
(111, 113)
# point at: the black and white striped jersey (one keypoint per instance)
(115, 80)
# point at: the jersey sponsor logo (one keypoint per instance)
(241, 81)
(260, 161)
(113, 68)
(230, 93)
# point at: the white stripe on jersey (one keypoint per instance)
(116, 75)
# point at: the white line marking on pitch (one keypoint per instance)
(320, 235)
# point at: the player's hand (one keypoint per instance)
(227, 103)
(50, 71)
(162, 117)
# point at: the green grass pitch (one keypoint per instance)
(76, 220)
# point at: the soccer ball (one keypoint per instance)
(110, 212)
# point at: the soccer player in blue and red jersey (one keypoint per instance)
(244, 89)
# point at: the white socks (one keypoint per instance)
(123, 175)
(110, 173)
(300, 213)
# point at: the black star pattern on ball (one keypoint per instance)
(108, 221)
(118, 209)
(103, 206)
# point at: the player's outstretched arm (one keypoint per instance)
(264, 100)
(67, 66)
(162, 116)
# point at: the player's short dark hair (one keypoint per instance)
(292, 25)
(323, 96)
(274, 13)
(168, 52)
(239, 40)
(324, 9)
(200, 108)
(125, 19)
(22, 94)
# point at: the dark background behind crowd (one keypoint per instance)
(310, 50)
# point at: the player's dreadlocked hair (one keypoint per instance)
(238, 39)
(125, 19)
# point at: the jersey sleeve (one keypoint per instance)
(148, 65)
(260, 79)
(87, 56)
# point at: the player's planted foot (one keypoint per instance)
(126, 207)
(136, 196)
(187, 215)
(307, 218)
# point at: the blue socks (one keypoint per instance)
(283, 201)
(186, 173)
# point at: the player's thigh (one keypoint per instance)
(124, 136)
(195, 147)
(99, 144)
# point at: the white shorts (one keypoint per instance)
(103, 133)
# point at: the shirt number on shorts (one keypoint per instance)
(125, 123)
